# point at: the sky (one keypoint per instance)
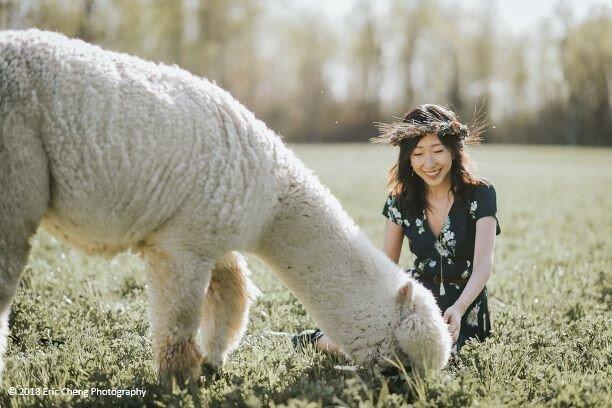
(515, 16)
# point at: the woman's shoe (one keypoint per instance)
(306, 338)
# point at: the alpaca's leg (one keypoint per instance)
(14, 249)
(226, 308)
(177, 283)
(24, 196)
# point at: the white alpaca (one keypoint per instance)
(112, 153)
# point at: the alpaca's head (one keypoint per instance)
(422, 335)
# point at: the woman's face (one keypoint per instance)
(431, 160)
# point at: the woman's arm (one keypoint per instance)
(483, 263)
(392, 244)
(484, 246)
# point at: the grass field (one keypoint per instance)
(80, 322)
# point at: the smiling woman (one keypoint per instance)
(447, 213)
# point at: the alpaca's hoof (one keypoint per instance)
(179, 366)
(211, 371)
(171, 381)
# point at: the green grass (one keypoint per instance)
(80, 322)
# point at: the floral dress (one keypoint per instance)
(444, 264)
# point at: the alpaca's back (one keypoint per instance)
(132, 144)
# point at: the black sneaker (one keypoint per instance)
(306, 338)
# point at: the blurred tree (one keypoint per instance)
(10, 14)
(483, 55)
(307, 45)
(519, 76)
(85, 27)
(366, 62)
(72, 17)
(127, 23)
(454, 88)
(362, 108)
(245, 69)
(225, 45)
(586, 51)
(211, 45)
(410, 18)
(513, 67)
(166, 27)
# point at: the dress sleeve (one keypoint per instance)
(391, 211)
(484, 204)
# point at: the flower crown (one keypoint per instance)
(394, 133)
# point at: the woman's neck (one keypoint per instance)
(438, 192)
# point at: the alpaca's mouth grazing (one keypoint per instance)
(396, 364)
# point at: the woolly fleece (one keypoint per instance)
(112, 153)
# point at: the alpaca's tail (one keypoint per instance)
(226, 308)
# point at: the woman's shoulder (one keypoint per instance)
(481, 187)
(395, 211)
(483, 202)
(392, 199)
(391, 210)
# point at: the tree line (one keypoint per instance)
(313, 77)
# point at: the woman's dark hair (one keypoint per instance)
(409, 188)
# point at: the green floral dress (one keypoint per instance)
(444, 264)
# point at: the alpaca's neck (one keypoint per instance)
(346, 284)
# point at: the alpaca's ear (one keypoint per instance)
(405, 292)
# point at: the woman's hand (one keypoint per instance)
(452, 317)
